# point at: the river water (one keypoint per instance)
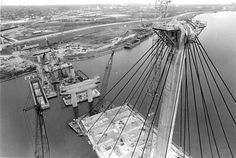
(219, 39)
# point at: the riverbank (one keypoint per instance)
(17, 141)
(118, 47)
(15, 66)
(118, 29)
(102, 42)
(18, 76)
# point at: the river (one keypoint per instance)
(219, 39)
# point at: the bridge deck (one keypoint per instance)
(128, 137)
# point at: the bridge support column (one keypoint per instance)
(75, 105)
(169, 104)
(90, 101)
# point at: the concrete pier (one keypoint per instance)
(170, 96)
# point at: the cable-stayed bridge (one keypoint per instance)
(174, 78)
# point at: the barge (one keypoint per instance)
(132, 44)
(38, 94)
(73, 125)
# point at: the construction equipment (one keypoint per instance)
(41, 104)
(162, 8)
(106, 77)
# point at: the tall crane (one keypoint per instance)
(161, 7)
(41, 104)
(105, 80)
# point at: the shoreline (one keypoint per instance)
(18, 76)
(107, 51)
(54, 35)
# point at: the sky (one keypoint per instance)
(68, 2)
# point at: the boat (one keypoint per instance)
(75, 127)
(144, 36)
(132, 44)
(38, 94)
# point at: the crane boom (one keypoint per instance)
(162, 8)
(41, 140)
(42, 149)
(106, 76)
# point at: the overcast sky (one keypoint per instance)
(68, 2)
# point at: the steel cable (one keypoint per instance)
(156, 44)
(198, 41)
(162, 74)
(125, 99)
(214, 103)
(195, 106)
(146, 77)
(120, 91)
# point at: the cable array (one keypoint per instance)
(198, 64)
(196, 72)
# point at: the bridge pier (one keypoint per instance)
(76, 112)
(170, 95)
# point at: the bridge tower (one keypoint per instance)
(177, 35)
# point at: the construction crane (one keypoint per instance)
(41, 104)
(161, 7)
(161, 12)
(105, 80)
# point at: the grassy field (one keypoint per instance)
(99, 35)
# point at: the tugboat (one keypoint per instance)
(74, 125)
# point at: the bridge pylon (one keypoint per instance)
(177, 35)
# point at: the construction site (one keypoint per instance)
(134, 116)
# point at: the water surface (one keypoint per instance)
(219, 39)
